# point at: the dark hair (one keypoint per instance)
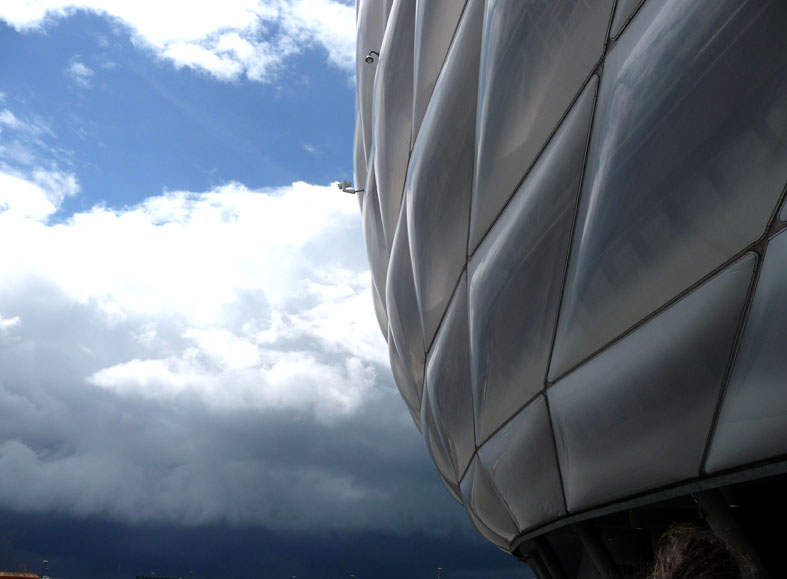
(692, 552)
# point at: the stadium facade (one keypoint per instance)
(574, 215)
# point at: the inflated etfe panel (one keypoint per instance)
(573, 214)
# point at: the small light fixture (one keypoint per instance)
(372, 56)
(347, 187)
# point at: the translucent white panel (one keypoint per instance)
(370, 26)
(435, 24)
(376, 249)
(359, 160)
(435, 443)
(387, 4)
(440, 174)
(393, 111)
(687, 162)
(453, 489)
(638, 415)
(405, 322)
(521, 463)
(487, 511)
(404, 383)
(379, 312)
(517, 273)
(448, 380)
(537, 54)
(623, 12)
(752, 425)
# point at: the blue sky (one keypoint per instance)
(189, 358)
(134, 124)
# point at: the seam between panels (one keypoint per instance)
(666, 305)
(707, 277)
(776, 223)
(757, 246)
(624, 26)
(414, 137)
(502, 500)
(505, 423)
(575, 217)
(535, 160)
(554, 451)
(597, 70)
(466, 269)
(402, 199)
(583, 171)
(610, 40)
(461, 476)
(760, 250)
(770, 468)
(732, 356)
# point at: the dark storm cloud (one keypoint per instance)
(93, 547)
(255, 392)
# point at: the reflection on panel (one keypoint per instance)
(783, 215)
(435, 24)
(370, 21)
(753, 421)
(438, 181)
(536, 57)
(403, 315)
(521, 463)
(623, 12)
(674, 186)
(435, 442)
(403, 380)
(448, 379)
(489, 515)
(453, 489)
(379, 312)
(373, 233)
(359, 160)
(393, 112)
(638, 415)
(516, 276)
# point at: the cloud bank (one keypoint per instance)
(200, 358)
(228, 39)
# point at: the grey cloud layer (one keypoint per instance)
(248, 386)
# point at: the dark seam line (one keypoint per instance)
(463, 271)
(554, 452)
(516, 413)
(572, 229)
(672, 301)
(626, 24)
(761, 470)
(760, 250)
(539, 154)
(414, 137)
(733, 354)
(567, 258)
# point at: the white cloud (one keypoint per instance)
(80, 73)
(7, 324)
(8, 119)
(191, 260)
(36, 196)
(225, 39)
(201, 358)
(30, 127)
